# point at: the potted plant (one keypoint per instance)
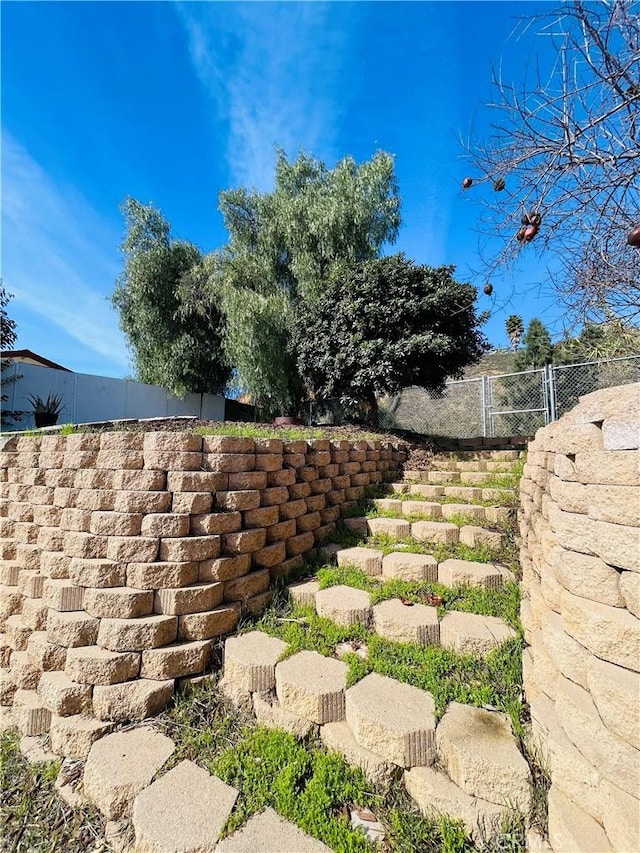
(45, 412)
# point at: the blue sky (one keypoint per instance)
(173, 102)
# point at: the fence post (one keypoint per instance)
(484, 406)
(551, 393)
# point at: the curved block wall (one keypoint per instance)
(580, 556)
(127, 555)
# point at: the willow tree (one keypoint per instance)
(560, 172)
(172, 344)
(282, 247)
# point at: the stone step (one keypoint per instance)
(470, 633)
(267, 832)
(477, 749)
(474, 511)
(31, 715)
(454, 572)
(435, 532)
(168, 817)
(250, 661)
(74, 736)
(312, 686)
(62, 696)
(338, 737)
(435, 794)
(131, 700)
(474, 536)
(410, 567)
(93, 665)
(396, 528)
(344, 605)
(304, 592)
(121, 765)
(394, 720)
(406, 623)
(422, 509)
(270, 713)
(368, 560)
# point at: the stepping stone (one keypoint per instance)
(435, 532)
(329, 552)
(267, 832)
(35, 751)
(414, 476)
(423, 509)
(456, 572)
(396, 528)
(6, 719)
(477, 478)
(344, 605)
(367, 559)
(312, 686)
(250, 660)
(442, 477)
(469, 633)
(471, 510)
(400, 488)
(401, 623)
(427, 491)
(472, 536)
(339, 738)
(388, 505)
(497, 514)
(270, 713)
(131, 700)
(185, 810)
(74, 736)
(120, 765)
(479, 752)
(463, 493)
(394, 720)
(435, 794)
(410, 567)
(304, 592)
(31, 715)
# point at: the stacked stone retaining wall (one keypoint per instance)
(125, 555)
(580, 526)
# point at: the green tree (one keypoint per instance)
(384, 324)
(173, 344)
(515, 329)
(282, 246)
(537, 350)
(8, 337)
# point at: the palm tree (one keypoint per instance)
(515, 330)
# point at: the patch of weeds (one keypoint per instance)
(32, 815)
(307, 786)
(541, 782)
(68, 429)
(409, 831)
(244, 430)
(460, 551)
(503, 602)
(302, 629)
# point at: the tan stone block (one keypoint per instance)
(588, 577)
(262, 517)
(243, 481)
(62, 696)
(60, 594)
(189, 548)
(93, 665)
(234, 501)
(49, 539)
(268, 461)
(131, 700)
(25, 532)
(216, 523)
(435, 532)
(31, 583)
(323, 486)
(191, 599)
(176, 661)
(284, 477)
(115, 523)
(16, 633)
(271, 555)
(135, 549)
(165, 524)
(54, 564)
(620, 816)
(456, 572)
(630, 591)
(293, 509)
(329, 514)
(615, 468)
(214, 623)
(250, 661)
(271, 714)
(24, 671)
(225, 568)
(268, 445)
(569, 657)
(309, 522)
(275, 496)
(229, 463)
(618, 545)
(118, 602)
(228, 444)
(96, 573)
(82, 441)
(312, 686)
(138, 481)
(47, 516)
(161, 575)
(129, 501)
(574, 532)
(612, 756)
(85, 545)
(73, 736)
(571, 772)
(34, 613)
(571, 828)
(71, 628)
(247, 586)
(172, 460)
(89, 478)
(117, 460)
(80, 459)
(282, 530)
(10, 570)
(181, 442)
(192, 503)
(615, 692)
(299, 544)
(134, 635)
(294, 460)
(571, 497)
(31, 716)
(196, 481)
(243, 542)
(47, 656)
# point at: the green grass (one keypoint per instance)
(243, 430)
(32, 815)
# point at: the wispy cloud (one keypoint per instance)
(275, 74)
(59, 258)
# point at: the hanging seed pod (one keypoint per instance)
(532, 218)
(499, 185)
(530, 232)
(466, 183)
(633, 237)
(488, 289)
(520, 234)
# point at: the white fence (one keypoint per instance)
(89, 398)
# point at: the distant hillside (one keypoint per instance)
(492, 364)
